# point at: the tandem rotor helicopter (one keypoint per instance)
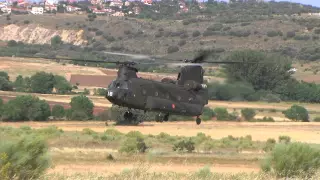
(187, 95)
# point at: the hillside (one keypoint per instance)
(219, 27)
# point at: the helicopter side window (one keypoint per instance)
(117, 85)
(156, 93)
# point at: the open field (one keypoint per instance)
(304, 132)
(77, 150)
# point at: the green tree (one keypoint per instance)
(20, 84)
(58, 111)
(56, 40)
(26, 107)
(5, 85)
(62, 85)
(4, 75)
(264, 71)
(82, 105)
(248, 113)
(42, 82)
(297, 113)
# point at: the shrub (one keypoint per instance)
(215, 27)
(133, 145)
(317, 31)
(221, 113)
(182, 145)
(208, 113)
(182, 42)
(296, 113)
(316, 119)
(248, 113)
(24, 159)
(269, 145)
(5, 85)
(172, 49)
(295, 159)
(291, 34)
(196, 33)
(272, 33)
(58, 111)
(284, 139)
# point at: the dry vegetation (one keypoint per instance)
(304, 132)
(84, 153)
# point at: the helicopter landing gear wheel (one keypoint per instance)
(128, 115)
(162, 117)
(198, 120)
(166, 117)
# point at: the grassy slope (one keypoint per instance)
(147, 43)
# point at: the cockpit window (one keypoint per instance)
(118, 84)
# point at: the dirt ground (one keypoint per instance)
(110, 168)
(298, 131)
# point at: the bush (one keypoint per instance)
(316, 119)
(133, 145)
(5, 85)
(269, 145)
(295, 159)
(172, 49)
(291, 34)
(221, 113)
(317, 31)
(196, 33)
(284, 139)
(58, 111)
(24, 159)
(208, 113)
(215, 27)
(248, 113)
(182, 145)
(182, 42)
(296, 113)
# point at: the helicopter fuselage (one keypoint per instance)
(149, 95)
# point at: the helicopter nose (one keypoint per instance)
(111, 93)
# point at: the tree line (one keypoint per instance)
(28, 107)
(262, 77)
(40, 82)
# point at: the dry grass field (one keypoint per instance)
(298, 131)
(75, 152)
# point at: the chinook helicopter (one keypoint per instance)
(186, 95)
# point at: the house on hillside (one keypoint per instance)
(71, 9)
(116, 3)
(37, 10)
(147, 2)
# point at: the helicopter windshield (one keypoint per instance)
(118, 84)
